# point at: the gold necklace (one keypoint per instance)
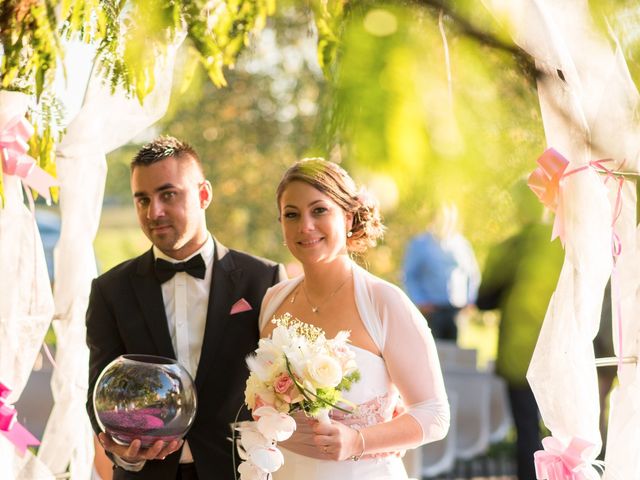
(295, 294)
(316, 308)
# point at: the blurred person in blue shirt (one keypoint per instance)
(441, 274)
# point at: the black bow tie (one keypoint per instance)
(166, 270)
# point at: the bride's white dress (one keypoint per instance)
(408, 366)
(376, 397)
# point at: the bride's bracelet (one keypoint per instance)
(355, 458)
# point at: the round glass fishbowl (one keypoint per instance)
(146, 397)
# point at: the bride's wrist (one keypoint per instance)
(359, 442)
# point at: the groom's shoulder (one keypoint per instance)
(244, 259)
(125, 268)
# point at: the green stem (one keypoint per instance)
(304, 391)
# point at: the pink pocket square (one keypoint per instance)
(240, 306)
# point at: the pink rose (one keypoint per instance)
(283, 383)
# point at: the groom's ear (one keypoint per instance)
(205, 194)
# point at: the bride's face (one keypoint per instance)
(314, 226)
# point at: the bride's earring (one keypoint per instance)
(349, 234)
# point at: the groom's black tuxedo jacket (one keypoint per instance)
(126, 315)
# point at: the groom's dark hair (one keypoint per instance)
(164, 147)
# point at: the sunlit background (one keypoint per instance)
(422, 105)
(424, 102)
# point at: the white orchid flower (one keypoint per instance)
(266, 459)
(280, 338)
(251, 438)
(274, 424)
(298, 356)
(249, 471)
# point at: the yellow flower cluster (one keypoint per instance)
(302, 329)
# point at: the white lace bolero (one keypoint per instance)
(401, 334)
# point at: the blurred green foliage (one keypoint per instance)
(442, 116)
(422, 101)
(132, 38)
(246, 133)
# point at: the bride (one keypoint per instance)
(324, 218)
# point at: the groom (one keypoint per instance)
(189, 297)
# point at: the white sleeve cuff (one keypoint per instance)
(128, 466)
(433, 416)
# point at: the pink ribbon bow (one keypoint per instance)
(10, 427)
(558, 463)
(545, 179)
(15, 161)
(545, 183)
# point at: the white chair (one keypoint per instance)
(500, 412)
(472, 426)
(437, 457)
(412, 461)
(451, 355)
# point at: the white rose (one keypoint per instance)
(324, 370)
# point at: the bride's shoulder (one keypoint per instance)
(285, 285)
(379, 288)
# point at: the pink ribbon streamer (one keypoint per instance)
(10, 427)
(15, 161)
(556, 462)
(546, 182)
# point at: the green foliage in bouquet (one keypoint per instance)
(348, 380)
(322, 398)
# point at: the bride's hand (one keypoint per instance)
(323, 442)
(336, 441)
(302, 440)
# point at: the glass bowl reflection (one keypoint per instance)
(146, 397)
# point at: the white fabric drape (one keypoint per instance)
(105, 122)
(589, 106)
(26, 302)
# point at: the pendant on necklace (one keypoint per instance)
(324, 302)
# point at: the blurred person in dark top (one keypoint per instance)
(518, 279)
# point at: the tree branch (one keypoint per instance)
(465, 27)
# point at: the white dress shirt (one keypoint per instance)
(186, 299)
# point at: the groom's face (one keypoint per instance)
(170, 197)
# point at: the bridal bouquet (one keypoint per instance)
(297, 368)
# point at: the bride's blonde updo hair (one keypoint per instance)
(335, 182)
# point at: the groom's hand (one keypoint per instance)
(134, 453)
